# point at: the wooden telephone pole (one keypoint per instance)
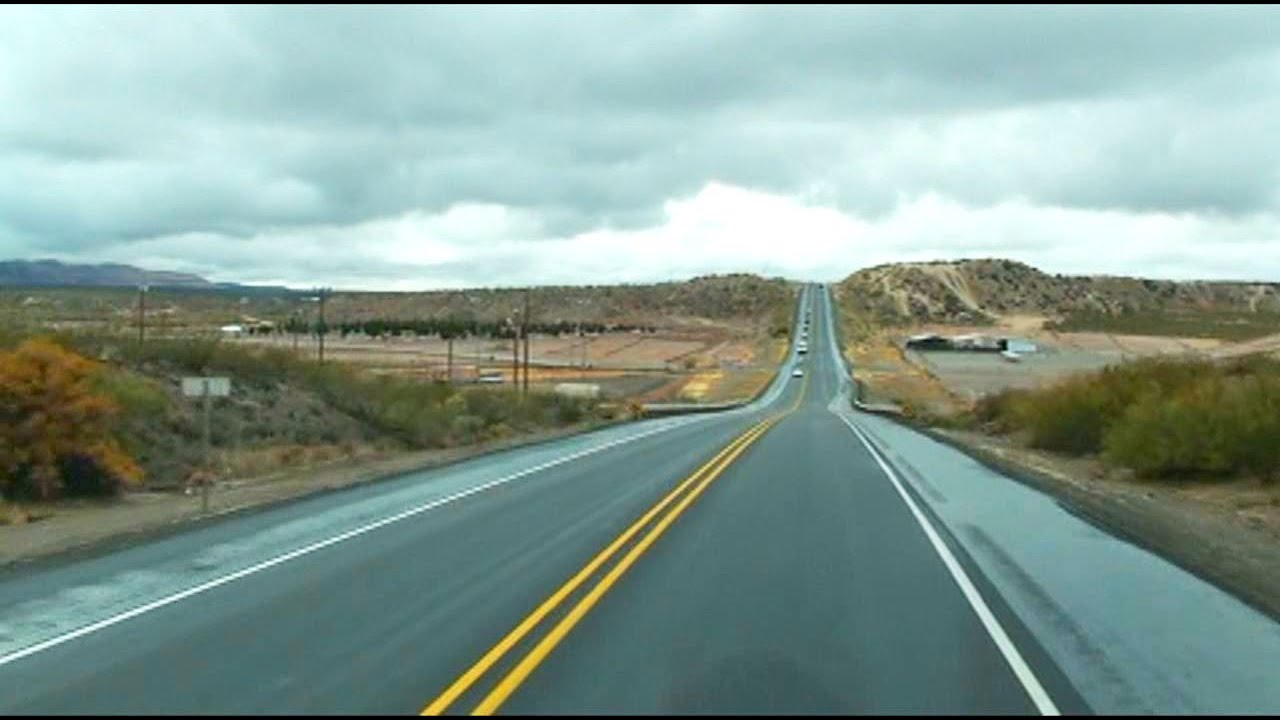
(524, 321)
(515, 356)
(321, 327)
(142, 313)
(449, 363)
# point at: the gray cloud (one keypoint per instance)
(119, 126)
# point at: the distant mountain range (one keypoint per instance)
(46, 273)
(54, 273)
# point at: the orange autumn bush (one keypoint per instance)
(56, 428)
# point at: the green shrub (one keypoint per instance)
(569, 410)
(1159, 417)
(1222, 425)
(135, 395)
(997, 412)
(467, 428)
(1070, 419)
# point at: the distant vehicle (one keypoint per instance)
(798, 372)
(802, 350)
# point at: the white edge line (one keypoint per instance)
(1044, 704)
(320, 545)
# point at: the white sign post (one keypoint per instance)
(207, 388)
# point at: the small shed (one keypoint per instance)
(928, 342)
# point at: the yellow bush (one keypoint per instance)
(55, 427)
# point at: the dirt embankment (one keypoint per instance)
(76, 527)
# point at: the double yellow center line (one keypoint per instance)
(678, 500)
(673, 504)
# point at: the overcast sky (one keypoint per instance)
(409, 148)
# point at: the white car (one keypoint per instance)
(798, 372)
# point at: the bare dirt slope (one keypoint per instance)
(969, 291)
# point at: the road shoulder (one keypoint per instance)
(1226, 546)
(91, 528)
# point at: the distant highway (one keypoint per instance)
(789, 556)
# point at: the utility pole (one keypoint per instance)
(321, 328)
(524, 321)
(142, 313)
(515, 357)
(449, 362)
(208, 451)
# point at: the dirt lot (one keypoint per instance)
(615, 351)
(885, 376)
(608, 352)
(713, 363)
(948, 379)
(973, 374)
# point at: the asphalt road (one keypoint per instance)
(760, 560)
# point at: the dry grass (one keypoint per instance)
(887, 376)
(738, 371)
(266, 460)
(24, 513)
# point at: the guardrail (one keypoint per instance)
(879, 408)
(659, 409)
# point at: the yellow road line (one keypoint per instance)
(521, 672)
(476, 671)
(804, 390)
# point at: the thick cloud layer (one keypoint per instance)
(416, 147)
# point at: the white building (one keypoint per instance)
(579, 390)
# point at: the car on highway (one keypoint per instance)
(798, 372)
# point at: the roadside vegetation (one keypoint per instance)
(1160, 418)
(88, 414)
(56, 426)
(1230, 325)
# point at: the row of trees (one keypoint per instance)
(448, 328)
